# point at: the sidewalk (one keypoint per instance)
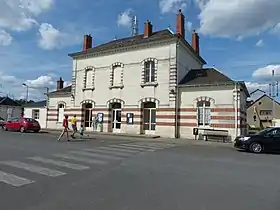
(149, 138)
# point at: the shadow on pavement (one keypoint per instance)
(263, 153)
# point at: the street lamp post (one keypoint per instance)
(26, 99)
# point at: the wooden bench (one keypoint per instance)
(206, 133)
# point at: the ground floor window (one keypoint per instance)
(60, 117)
(87, 115)
(36, 114)
(149, 117)
(203, 113)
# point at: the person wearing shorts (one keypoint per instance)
(74, 126)
(65, 129)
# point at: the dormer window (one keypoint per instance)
(149, 72)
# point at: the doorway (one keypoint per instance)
(149, 117)
(116, 117)
(87, 115)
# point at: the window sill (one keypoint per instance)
(116, 87)
(92, 89)
(155, 84)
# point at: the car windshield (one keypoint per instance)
(266, 130)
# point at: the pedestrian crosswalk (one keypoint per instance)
(76, 160)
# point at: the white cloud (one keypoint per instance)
(167, 6)
(237, 17)
(125, 18)
(52, 38)
(5, 38)
(260, 43)
(189, 26)
(265, 73)
(20, 15)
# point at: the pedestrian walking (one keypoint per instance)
(74, 126)
(65, 129)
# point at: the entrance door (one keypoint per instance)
(116, 117)
(149, 118)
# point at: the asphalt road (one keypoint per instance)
(39, 173)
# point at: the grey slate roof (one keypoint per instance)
(165, 34)
(37, 104)
(8, 101)
(204, 76)
(62, 91)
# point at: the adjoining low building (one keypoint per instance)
(152, 83)
(9, 108)
(37, 111)
(260, 112)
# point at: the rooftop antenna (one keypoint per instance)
(134, 26)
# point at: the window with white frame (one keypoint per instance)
(60, 117)
(89, 77)
(36, 114)
(117, 75)
(203, 113)
(149, 71)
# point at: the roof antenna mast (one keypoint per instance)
(134, 26)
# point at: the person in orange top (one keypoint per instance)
(65, 129)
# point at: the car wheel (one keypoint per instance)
(5, 128)
(256, 147)
(22, 129)
(36, 131)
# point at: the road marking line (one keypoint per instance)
(131, 148)
(33, 168)
(141, 146)
(59, 163)
(81, 159)
(121, 154)
(14, 180)
(118, 150)
(96, 155)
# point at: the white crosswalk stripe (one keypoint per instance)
(59, 163)
(117, 150)
(132, 148)
(14, 180)
(81, 159)
(142, 146)
(33, 168)
(110, 157)
(116, 153)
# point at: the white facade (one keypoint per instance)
(225, 110)
(37, 113)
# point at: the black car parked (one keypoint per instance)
(265, 140)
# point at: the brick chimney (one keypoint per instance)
(60, 84)
(195, 42)
(148, 29)
(87, 42)
(180, 24)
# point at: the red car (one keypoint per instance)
(22, 124)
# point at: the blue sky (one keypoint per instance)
(240, 38)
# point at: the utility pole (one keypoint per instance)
(273, 92)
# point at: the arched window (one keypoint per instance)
(60, 116)
(203, 113)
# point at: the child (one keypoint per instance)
(82, 131)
